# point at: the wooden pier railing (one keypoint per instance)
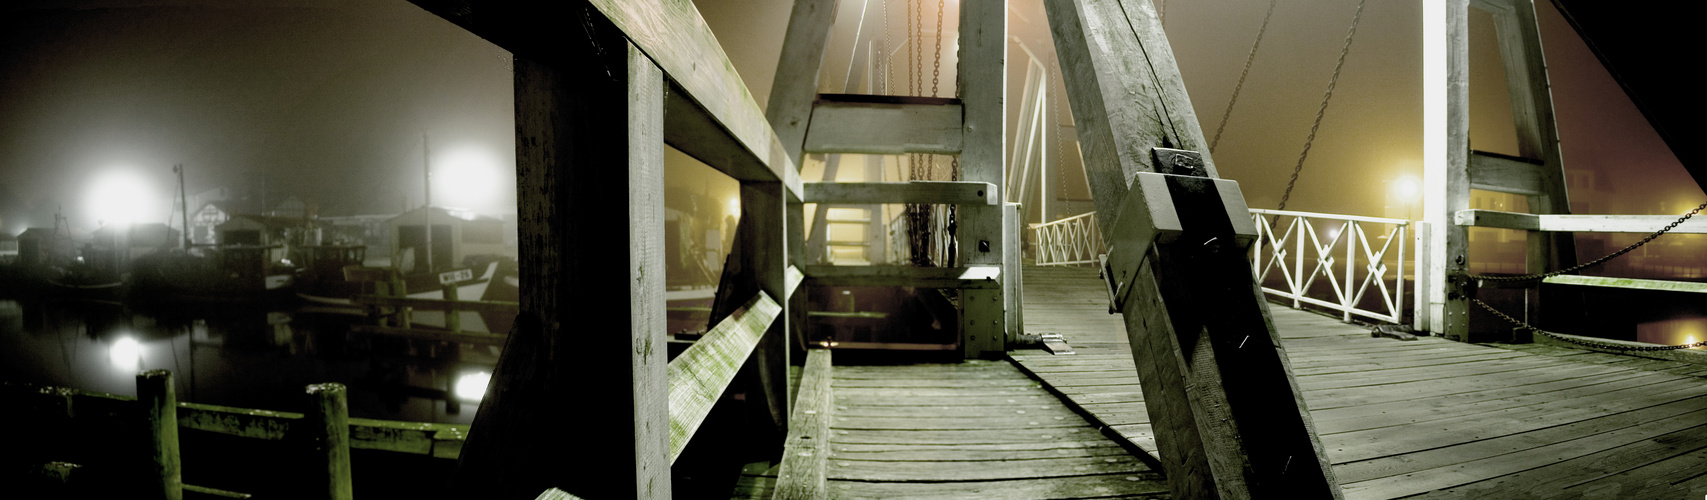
(329, 429)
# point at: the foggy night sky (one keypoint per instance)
(328, 100)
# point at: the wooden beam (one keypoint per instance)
(699, 375)
(711, 114)
(983, 82)
(589, 139)
(807, 451)
(944, 192)
(885, 127)
(1627, 283)
(1505, 174)
(1229, 418)
(1577, 223)
(970, 277)
(789, 110)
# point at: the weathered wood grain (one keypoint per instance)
(699, 375)
(942, 192)
(885, 127)
(805, 452)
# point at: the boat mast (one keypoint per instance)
(184, 204)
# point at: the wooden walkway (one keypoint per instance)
(979, 429)
(1430, 417)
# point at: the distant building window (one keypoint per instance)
(491, 234)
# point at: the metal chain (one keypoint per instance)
(1162, 13)
(1242, 74)
(1562, 338)
(885, 59)
(1326, 96)
(1599, 261)
(916, 7)
(936, 67)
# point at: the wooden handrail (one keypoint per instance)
(699, 375)
(415, 438)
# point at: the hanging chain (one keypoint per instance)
(1561, 337)
(1162, 13)
(936, 66)
(1599, 261)
(1324, 108)
(1242, 74)
(885, 59)
(918, 9)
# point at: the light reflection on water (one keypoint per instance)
(241, 356)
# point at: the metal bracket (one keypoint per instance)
(1179, 162)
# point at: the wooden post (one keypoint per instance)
(583, 411)
(766, 254)
(453, 315)
(1537, 134)
(1446, 160)
(1012, 272)
(329, 421)
(157, 401)
(983, 78)
(1228, 415)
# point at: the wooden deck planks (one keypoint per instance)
(1431, 416)
(979, 428)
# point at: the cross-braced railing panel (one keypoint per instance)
(1346, 262)
(1072, 241)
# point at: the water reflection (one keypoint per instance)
(250, 357)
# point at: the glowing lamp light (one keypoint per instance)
(1406, 187)
(116, 197)
(125, 353)
(734, 206)
(472, 386)
(465, 176)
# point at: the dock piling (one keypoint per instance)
(158, 404)
(330, 422)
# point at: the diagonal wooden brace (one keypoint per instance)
(1229, 420)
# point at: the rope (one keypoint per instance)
(1242, 74)
(1599, 261)
(1326, 96)
(1563, 338)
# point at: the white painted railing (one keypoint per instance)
(1311, 249)
(1071, 241)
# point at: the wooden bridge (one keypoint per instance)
(1196, 388)
(1397, 418)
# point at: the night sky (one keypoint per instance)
(328, 101)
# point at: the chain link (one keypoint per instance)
(1599, 261)
(1326, 96)
(1562, 338)
(1242, 75)
(936, 66)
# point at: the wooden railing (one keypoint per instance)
(328, 428)
(1357, 256)
(1073, 241)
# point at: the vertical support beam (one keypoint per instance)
(589, 161)
(329, 420)
(1230, 421)
(157, 401)
(983, 77)
(764, 252)
(1446, 159)
(1013, 278)
(1537, 132)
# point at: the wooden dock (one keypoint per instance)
(979, 429)
(1428, 417)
